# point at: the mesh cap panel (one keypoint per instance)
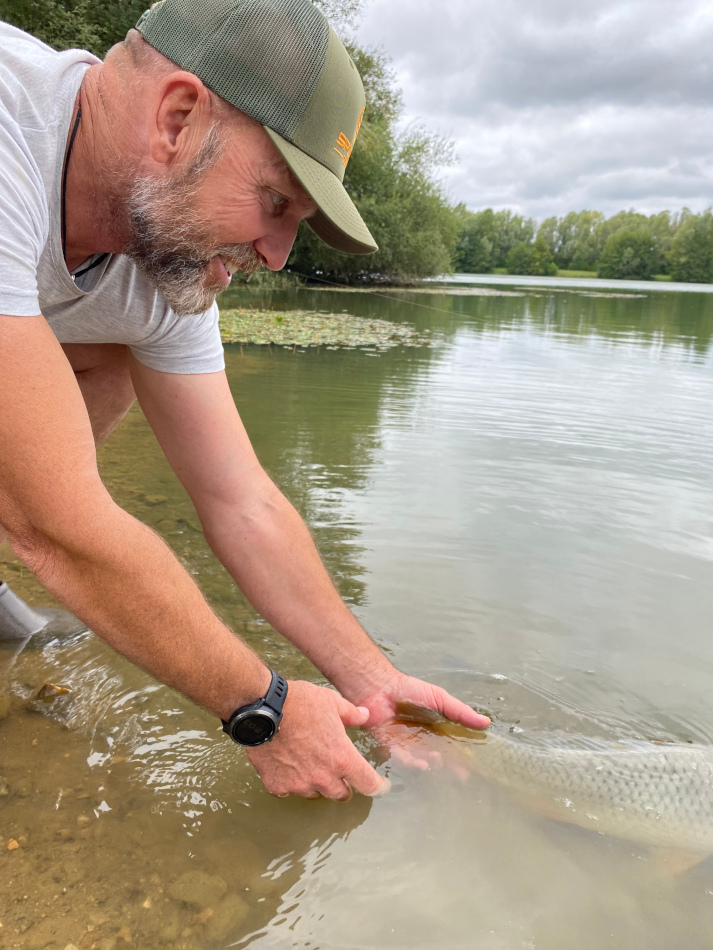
(263, 57)
(280, 63)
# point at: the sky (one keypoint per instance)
(559, 105)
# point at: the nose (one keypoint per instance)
(274, 248)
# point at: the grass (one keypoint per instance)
(586, 274)
(576, 273)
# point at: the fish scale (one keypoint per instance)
(659, 795)
(656, 794)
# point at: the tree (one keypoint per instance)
(587, 240)
(341, 13)
(94, 25)
(628, 255)
(691, 253)
(549, 232)
(541, 260)
(509, 230)
(519, 259)
(476, 244)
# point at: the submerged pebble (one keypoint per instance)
(229, 913)
(198, 889)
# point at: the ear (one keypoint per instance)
(179, 121)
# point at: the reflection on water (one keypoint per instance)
(522, 514)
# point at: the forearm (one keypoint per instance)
(126, 585)
(270, 554)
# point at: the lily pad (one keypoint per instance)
(303, 328)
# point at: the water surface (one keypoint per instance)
(521, 513)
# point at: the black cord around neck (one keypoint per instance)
(102, 257)
(72, 137)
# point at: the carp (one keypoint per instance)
(656, 794)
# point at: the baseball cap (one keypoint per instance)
(281, 63)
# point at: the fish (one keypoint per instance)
(655, 794)
(50, 691)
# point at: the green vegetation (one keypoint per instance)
(533, 259)
(691, 253)
(628, 255)
(87, 24)
(304, 328)
(586, 244)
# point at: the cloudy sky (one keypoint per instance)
(559, 105)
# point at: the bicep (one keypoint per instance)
(47, 457)
(199, 428)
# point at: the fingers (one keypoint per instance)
(340, 791)
(312, 755)
(416, 748)
(363, 778)
(457, 711)
(351, 716)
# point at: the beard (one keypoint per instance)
(169, 243)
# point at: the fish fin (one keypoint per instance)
(549, 808)
(672, 862)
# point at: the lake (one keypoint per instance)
(521, 512)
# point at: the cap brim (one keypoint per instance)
(337, 221)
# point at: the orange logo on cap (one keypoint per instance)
(344, 150)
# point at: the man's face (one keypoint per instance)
(236, 206)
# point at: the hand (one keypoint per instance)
(413, 746)
(312, 755)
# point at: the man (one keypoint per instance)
(130, 190)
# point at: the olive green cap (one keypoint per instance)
(280, 62)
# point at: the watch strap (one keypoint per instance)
(277, 693)
(274, 698)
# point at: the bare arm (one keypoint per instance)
(109, 569)
(265, 545)
(117, 575)
(253, 528)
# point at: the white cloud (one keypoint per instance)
(555, 106)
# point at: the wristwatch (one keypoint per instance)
(259, 722)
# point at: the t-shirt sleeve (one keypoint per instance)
(24, 223)
(184, 344)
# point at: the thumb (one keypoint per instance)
(352, 716)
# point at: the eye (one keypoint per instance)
(278, 203)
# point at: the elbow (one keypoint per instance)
(39, 552)
(53, 538)
(241, 522)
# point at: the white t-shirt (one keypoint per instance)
(114, 302)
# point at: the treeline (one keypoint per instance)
(628, 245)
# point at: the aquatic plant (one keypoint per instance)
(304, 328)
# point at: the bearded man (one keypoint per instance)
(130, 191)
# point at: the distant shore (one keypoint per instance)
(566, 279)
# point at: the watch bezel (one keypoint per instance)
(241, 717)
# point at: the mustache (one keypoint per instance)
(242, 256)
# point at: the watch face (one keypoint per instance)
(253, 728)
